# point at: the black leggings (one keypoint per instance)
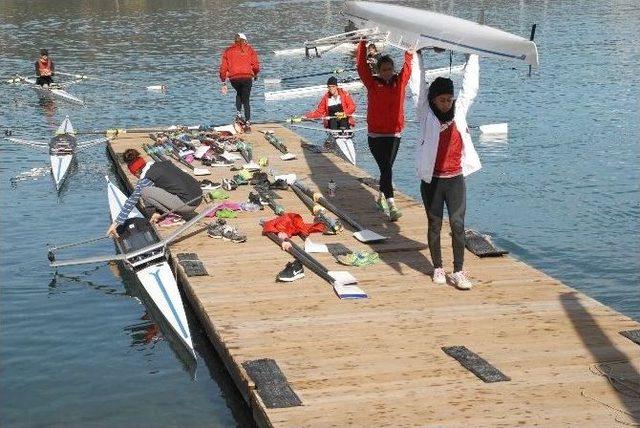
(243, 92)
(450, 191)
(44, 80)
(384, 151)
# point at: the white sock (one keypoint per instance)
(390, 201)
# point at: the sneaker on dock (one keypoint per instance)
(292, 271)
(394, 213)
(171, 220)
(381, 204)
(439, 276)
(461, 281)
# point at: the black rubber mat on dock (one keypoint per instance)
(475, 364)
(271, 383)
(481, 245)
(191, 264)
(632, 335)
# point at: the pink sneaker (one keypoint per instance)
(171, 220)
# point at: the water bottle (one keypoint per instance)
(331, 188)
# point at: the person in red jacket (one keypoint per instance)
(44, 69)
(241, 66)
(385, 118)
(336, 107)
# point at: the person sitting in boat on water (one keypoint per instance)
(385, 118)
(44, 69)
(241, 66)
(372, 57)
(444, 156)
(336, 107)
(162, 186)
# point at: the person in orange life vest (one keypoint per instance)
(336, 107)
(385, 118)
(44, 69)
(444, 156)
(241, 66)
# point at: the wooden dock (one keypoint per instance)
(379, 361)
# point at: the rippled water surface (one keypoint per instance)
(561, 193)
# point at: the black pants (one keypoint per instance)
(335, 123)
(384, 151)
(243, 93)
(450, 191)
(44, 80)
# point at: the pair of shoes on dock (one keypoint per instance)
(219, 229)
(392, 210)
(458, 279)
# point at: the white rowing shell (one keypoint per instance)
(59, 167)
(52, 93)
(417, 28)
(157, 279)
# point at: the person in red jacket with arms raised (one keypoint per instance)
(385, 118)
(44, 69)
(336, 107)
(241, 66)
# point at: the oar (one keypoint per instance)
(285, 79)
(83, 76)
(492, 128)
(362, 234)
(114, 132)
(51, 253)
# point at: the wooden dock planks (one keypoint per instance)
(378, 362)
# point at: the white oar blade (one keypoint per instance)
(272, 81)
(201, 171)
(342, 277)
(157, 88)
(348, 150)
(367, 235)
(495, 128)
(349, 291)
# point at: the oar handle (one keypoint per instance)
(328, 205)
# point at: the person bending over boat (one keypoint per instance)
(385, 118)
(241, 66)
(44, 69)
(336, 107)
(444, 156)
(162, 186)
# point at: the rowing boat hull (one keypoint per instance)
(59, 168)
(156, 276)
(413, 28)
(52, 93)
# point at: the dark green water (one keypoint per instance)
(562, 194)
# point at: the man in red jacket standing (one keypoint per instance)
(241, 66)
(336, 107)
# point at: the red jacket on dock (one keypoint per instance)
(385, 100)
(348, 107)
(239, 61)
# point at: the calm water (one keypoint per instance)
(561, 194)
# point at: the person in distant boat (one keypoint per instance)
(162, 186)
(372, 57)
(241, 66)
(44, 69)
(336, 107)
(444, 156)
(385, 118)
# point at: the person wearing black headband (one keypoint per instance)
(444, 156)
(336, 107)
(44, 69)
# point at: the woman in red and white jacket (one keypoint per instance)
(241, 66)
(336, 107)
(444, 156)
(385, 118)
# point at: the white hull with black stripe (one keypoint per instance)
(62, 152)
(151, 267)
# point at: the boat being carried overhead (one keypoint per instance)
(411, 28)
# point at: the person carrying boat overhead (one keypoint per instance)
(44, 69)
(162, 186)
(444, 156)
(336, 107)
(385, 118)
(241, 66)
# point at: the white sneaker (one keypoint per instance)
(439, 277)
(461, 281)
